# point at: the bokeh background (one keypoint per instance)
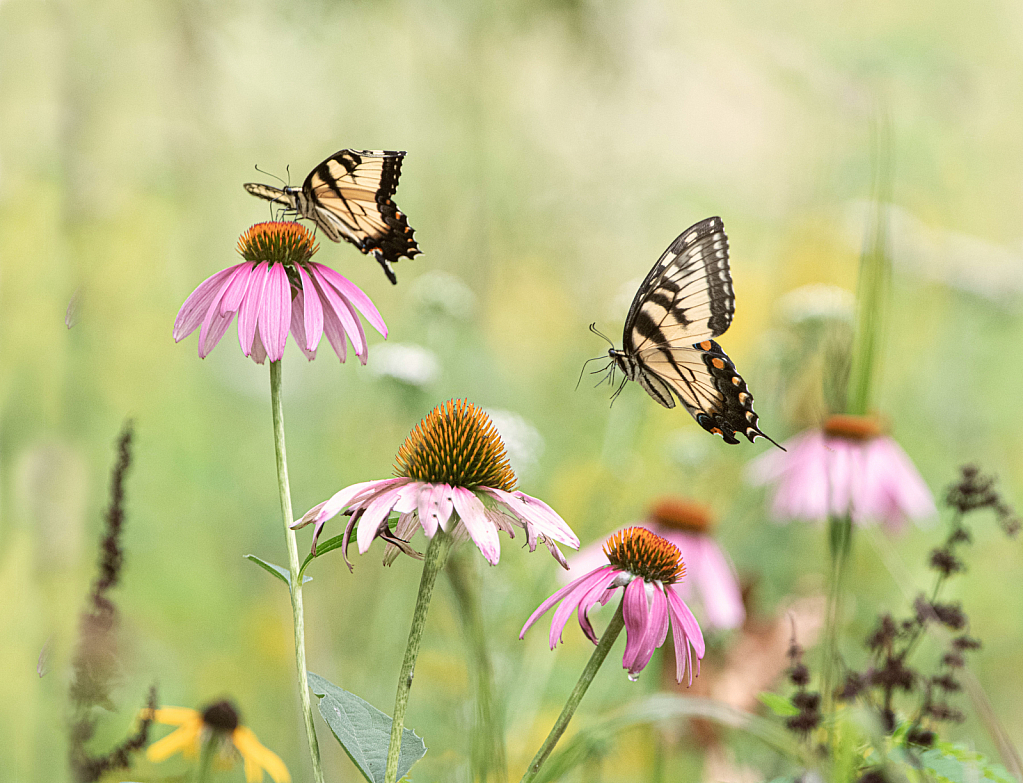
(554, 150)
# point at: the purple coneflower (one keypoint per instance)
(453, 475)
(648, 567)
(687, 524)
(218, 723)
(277, 289)
(850, 467)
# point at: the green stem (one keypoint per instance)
(209, 750)
(436, 556)
(603, 647)
(295, 581)
(839, 545)
(487, 737)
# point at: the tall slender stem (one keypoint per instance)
(295, 581)
(839, 545)
(436, 556)
(488, 754)
(603, 647)
(206, 756)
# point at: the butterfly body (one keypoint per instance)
(349, 196)
(684, 301)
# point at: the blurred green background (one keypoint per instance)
(554, 150)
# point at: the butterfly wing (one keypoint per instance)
(687, 297)
(349, 196)
(707, 383)
(685, 300)
(275, 195)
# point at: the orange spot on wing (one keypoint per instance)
(705, 345)
(718, 363)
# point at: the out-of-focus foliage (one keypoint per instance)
(554, 150)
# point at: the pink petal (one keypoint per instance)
(341, 500)
(355, 295)
(597, 581)
(473, 515)
(636, 609)
(248, 313)
(215, 324)
(197, 305)
(435, 508)
(656, 631)
(298, 325)
(547, 604)
(343, 318)
(258, 352)
(313, 323)
(718, 585)
(599, 592)
(234, 293)
(685, 632)
(275, 314)
(536, 512)
(376, 512)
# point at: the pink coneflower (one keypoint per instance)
(277, 289)
(648, 567)
(687, 524)
(849, 467)
(453, 475)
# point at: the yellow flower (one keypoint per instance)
(219, 723)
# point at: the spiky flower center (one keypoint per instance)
(456, 444)
(683, 514)
(850, 427)
(221, 717)
(279, 242)
(646, 555)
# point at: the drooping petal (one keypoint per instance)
(248, 313)
(536, 512)
(479, 528)
(258, 351)
(313, 315)
(375, 515)
(599, 592)
(435, 508)
(656, 630)
(342, 322)
(215, 323)
(685, 633)
(275, 314)
(198, 303)
(355, 295)
(258, 757)
(715, 578)
(234, 292)
(636, 610)
(298, 325)
(339, 501)
(187, 737)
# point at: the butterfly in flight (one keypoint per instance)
(348, 196)
(686, 300)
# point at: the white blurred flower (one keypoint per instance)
(523, 442)
(817, 301)
(441, 291)
(962, 261)
(407, 363)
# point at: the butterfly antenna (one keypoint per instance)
(593, 328)
(271, 175)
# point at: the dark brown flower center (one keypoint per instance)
(456, 444)
(221, 717)
(850, 427)
(646, 555)
(279, 242)
(682, 514)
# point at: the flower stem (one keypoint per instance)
(603, 647)
(436, 556)
(206, 755)
(295, 581)
(487, 737)
(839, 545)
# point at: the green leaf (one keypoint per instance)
(779, 705)
(961, 765)
(276, 570)
(364, 731)
(321, 549)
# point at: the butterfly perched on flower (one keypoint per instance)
(348, 196)
(685, 300)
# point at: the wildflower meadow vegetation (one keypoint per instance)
(368, 561)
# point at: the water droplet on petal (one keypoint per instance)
(633, 676)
